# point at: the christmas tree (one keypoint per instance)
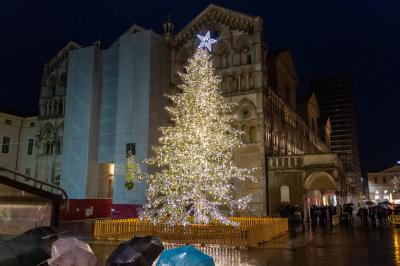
(195, 183)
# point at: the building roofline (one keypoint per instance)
(19, 114)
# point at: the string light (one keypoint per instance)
(197, 176)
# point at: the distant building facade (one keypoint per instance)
(18, 143)
(51, 116)
(381, 187)
(95, 102)
(336, 98)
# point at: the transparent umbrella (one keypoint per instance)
(71, 252)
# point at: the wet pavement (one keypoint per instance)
(338, 245)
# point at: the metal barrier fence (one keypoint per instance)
(251, 231)
(394, 219)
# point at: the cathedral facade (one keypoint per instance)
(286, 139)
(262, 86)
(50, 133)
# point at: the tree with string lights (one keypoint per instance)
(396, 182)
(195, 183)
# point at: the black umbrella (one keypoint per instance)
(139, 251)
(24, 250)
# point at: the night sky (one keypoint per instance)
(357, 37)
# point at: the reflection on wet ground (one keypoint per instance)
(311, 246)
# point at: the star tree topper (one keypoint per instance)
(206, 41)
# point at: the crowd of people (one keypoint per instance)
(322, 214)
(369, 214)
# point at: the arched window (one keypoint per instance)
(55, 108)
(285, 194)
(248, 56)
(63, 81)
(224, 60)
(58, 146)
(235, 84)
(236, 59)
(245, 134)
(251, 80)
(51, 86)
(48, 148)
(61, 107)
(253, 134)
(228, 59)
(245, 56)
(243, 83)
(224, 85)
(49, 108)
(267, 134)
(229, 86)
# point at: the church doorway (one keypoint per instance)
(320, 190)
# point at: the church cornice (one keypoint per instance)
(59, 58)
(212, 14)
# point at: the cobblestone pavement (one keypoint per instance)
(318, 246)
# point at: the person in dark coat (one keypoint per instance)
(379, 214)
(360, 214)
(372, 214)
(365, 216)
(330, 213)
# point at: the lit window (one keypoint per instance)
(285, 194)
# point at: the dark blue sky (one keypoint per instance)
(360, 37)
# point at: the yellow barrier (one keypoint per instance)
(251, 231)
(394, 219)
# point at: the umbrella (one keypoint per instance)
(386, 204)
(139, 251)
(71, 252)
(24, 250)
(185, 256)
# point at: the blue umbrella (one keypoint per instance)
(184, 256)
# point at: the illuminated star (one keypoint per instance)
(206, 41)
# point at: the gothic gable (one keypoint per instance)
(313, 103)
(47, 132)
(211, 18)
(133, 29)
(287, 60)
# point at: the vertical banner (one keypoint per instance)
(131, 167)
